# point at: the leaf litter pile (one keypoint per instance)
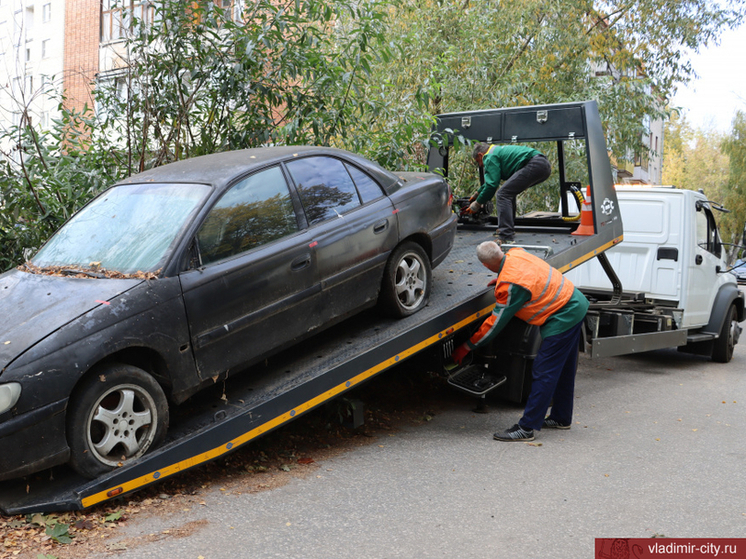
(94, 270)
(392, 400)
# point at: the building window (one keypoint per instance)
(118, 21)
(46, 83)
(28, 54)
(29, 20)
(45, 48)
(29, 85)
(46, 13)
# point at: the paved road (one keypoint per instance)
(658, 448)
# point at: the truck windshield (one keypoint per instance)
(127, 229)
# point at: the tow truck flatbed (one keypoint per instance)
(290, 384)
(341, 358)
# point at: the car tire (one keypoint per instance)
(722, 352)
(407, 281)
(115, 417)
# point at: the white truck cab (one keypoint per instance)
(671, 258)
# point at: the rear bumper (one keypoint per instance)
(442, 239)
(33, 441)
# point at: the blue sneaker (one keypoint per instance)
(554, 424)
(515, 434)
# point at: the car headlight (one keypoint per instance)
(9, 394)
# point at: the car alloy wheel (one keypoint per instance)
(115, 416)
(407, 281)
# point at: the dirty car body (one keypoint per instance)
(189, 272)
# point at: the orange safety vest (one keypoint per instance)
(550, 290)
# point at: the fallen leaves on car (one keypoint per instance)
(93, 271)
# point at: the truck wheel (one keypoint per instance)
(407, 281)
(722, 352)
(115, 417)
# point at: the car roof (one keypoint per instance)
(221, 169)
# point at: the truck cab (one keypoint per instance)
(671, 260)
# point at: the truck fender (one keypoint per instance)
(726, 296)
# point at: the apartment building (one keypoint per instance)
(53, 47)
(32, 39)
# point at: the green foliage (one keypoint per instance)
(114, 516)
(45, 177)
(59, 533)
(716, 163)
(204, 80)
(464, 55)
(735, 196)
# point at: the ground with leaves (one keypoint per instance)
(397, 398)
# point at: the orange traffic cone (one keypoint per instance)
(586, 216)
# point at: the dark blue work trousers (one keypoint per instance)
(553, 379)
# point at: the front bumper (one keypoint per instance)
(33, 441)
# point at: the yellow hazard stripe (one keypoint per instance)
(589, 255)
(279, 420)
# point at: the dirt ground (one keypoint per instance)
(396, 398)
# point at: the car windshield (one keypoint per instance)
(128, 229)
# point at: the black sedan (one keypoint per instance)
(181, 275)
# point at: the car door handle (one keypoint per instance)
(381, 227)
(301, 262)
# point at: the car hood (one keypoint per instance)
(32, 306)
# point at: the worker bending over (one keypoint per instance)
(520, 167)
(530, 289)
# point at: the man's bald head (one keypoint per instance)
(490, 254)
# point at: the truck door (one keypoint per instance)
(705, 258)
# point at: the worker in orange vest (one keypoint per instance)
(530, 289)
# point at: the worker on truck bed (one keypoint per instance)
(520, 167)
(530, 289)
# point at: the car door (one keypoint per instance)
(374, 231)
(257, 275)
(350, 238)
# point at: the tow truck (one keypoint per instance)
(324, 367)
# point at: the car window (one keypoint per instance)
(127, 229)
(325, 187)
(368, 188)
(252, 213)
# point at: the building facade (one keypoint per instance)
(53, 47)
